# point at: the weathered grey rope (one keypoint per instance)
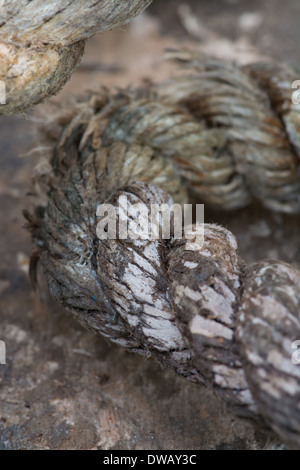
(253, 105)
(202, 313)
(41, 43)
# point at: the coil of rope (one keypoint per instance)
(224, 134)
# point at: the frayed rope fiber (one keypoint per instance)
(225, 135)
(42, 42)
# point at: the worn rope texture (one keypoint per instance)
(228, 134)
(41, 43)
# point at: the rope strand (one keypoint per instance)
(227, 135)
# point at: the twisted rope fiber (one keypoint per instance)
(225, 135)
(41, 43)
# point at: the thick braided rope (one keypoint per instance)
(202, 312)
(42, 42)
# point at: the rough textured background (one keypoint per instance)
(64, 388)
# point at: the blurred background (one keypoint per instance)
(62, 387)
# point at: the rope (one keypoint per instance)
(41, 43)
(225, 135)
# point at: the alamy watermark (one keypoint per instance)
(139, 221)
(2, 92)
(296, 354)
(2, 353)
(296, 94)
